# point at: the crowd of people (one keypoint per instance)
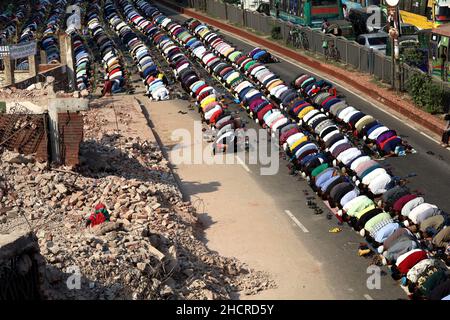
(114, 73)
(316, 130)
(30, 27)
(410, 235)
(49, 41)
(209, 103)
(83, 72)
(156, 89)
(9, 20)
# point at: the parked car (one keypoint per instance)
(377, 41)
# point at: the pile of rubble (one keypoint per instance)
(37, 90)
(150, 248)
(14, 93)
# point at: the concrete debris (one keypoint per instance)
(150, 249)
(13, 93)
(14, 157)
(84, 93)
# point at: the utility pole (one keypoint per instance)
(394, 33)
(243, 12)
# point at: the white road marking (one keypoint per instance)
(368, 297)
(298, 223)
(242, 163)
(429, 137)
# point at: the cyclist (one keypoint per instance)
(325, 25)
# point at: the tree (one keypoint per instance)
(425, 93)
(413, 57)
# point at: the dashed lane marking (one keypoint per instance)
(242, 163)
(298, 223)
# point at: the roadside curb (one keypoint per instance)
(141, 107)
(416, 115)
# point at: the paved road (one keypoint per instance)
(338, 252)
(431, 163)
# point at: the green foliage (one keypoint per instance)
(276, 33)
(412, 57)
(425, 94)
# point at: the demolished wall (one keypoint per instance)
(25, 133)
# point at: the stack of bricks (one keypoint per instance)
(70, 127)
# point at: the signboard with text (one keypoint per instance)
(22, 50)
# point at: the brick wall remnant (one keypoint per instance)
(25, 133)
(70, 127)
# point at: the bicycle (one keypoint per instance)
(298, 39)
(330, 51)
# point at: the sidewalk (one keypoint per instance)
(361, 82)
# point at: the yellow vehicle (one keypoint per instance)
(425, 14)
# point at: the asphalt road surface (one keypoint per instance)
(429, 167)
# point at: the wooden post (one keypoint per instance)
(62, 48)
(33, 68)
(66, 52)
(43, 57)
(9, 70)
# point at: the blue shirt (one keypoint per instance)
(324, 176)
(385, 232)
(310, 157)
(328, 182)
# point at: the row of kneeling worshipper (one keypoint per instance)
(375, 134)
(352, 121)
(156, 89)
(209, 104)
(82, 61)
(28, 32)
(112, 63)
(82, 57)
(49, 42)
(10, 21)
